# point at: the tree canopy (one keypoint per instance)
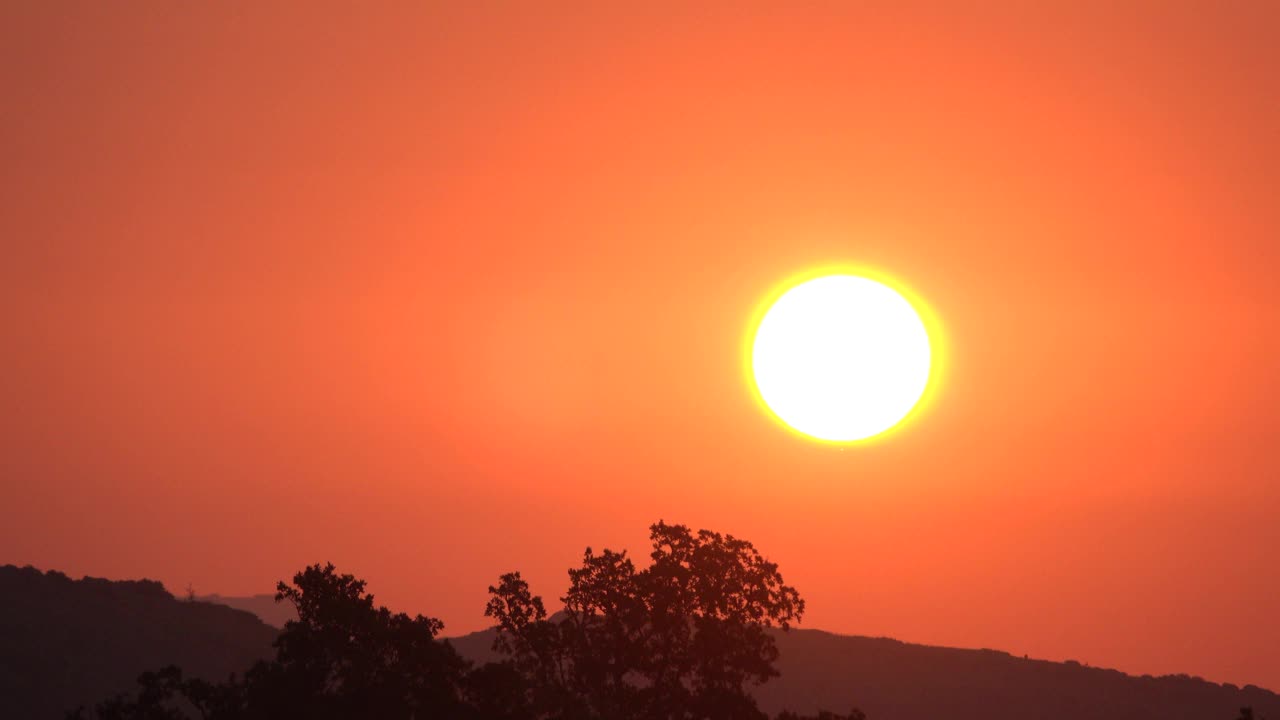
(684, 638)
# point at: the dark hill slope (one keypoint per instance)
(273, 613)
(64, 643)
(67, 642)
(892, 680)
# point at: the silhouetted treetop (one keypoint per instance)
(683, 637)
(719, 576)
(679, 639)
(342, 658)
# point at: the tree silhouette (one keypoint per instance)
(682, 638)
(342, 658)
(159, 697)
(345, 657)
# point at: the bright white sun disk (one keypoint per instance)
(841, 358)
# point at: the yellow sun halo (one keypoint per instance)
(841, 357)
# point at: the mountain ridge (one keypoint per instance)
(74, 642)
(883, 677)
(66, 643)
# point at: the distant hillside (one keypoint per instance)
(264, 606)
(67, 642)
(892, 680)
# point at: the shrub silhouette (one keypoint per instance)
(684, 638)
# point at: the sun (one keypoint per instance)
(841, 357)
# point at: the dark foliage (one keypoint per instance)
(65, 643)
(680, 639)
(343, 657)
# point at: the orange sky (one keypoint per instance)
(447, 292)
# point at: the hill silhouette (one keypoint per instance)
(67, 642)
(903, 681)
(895, 680)
(71, 642)
(273, 613)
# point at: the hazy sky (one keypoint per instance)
(449, 291)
